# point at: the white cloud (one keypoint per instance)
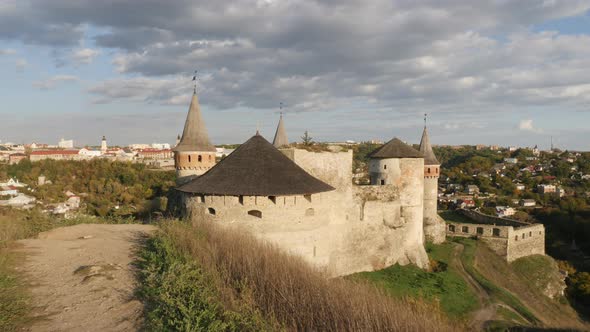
(527, 125)
(84, 55)
(54, 81)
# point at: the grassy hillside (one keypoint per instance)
(443, 286)
(470, 281)
(244, 284)
(527, 278)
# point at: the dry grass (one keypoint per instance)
(284, 289)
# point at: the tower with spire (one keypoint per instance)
(194, 154)
(280, 139)
(103, 145)
(434, 225)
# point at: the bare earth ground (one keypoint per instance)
(82, 278)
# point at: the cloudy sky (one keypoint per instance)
(490, 72)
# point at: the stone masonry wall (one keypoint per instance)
(526, 241)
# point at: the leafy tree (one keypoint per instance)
(307, 140)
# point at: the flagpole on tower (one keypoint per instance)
(195, 83)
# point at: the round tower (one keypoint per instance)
(434, 225)
(194, 154)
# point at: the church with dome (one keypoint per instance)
(306, 203)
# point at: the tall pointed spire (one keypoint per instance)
(426, 148)
(280, 139)
(194, 136)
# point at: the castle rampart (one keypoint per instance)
(509, 238)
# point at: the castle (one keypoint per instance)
(305, 202)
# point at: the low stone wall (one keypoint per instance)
(505, 240)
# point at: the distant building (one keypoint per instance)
(511, 160)
(527, 203)
(65, 144)
(472, 189)
(15, 158)
(103, 145)
(504, 211)
(223, 152)
(520, 186)
(155, 154)
(546, 189)
(160, 146)
(55, 155)
(512, 148)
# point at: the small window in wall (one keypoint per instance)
(382, 182)
(539, 232)
(465, 229)
(523, 235)
(384, 166)
(200, 158)
(496, 232)
(480, 230)
(309, 212)
(452, 228)
(436, 170)
(241, 200)
(428, 170)
(307, 197)
(189, 158)
(273, 199)
(530, 234)
(255, 213)
(211, 211)
(516, 238)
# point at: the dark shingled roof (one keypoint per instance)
(256, 168)
(396, 149)
(194, 135)
(426, 149)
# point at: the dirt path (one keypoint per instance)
(487, 309)
(82, 279)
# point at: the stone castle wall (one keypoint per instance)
(351, 229)
(508, 238)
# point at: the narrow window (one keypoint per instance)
(436, 170)
(211, 211)
(255, 213)
(523, 236)
(480, 230)
(189, 158)
(199, 158)
(452, 228)
(428, 170)
(516, 238)
(382, 182)
(307, 197)
(496, 232)
(384, 166)
(530, 234)
(241, 200)
(273, 199)
(309, 212)
(465, 229)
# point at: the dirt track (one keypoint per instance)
(82, 278)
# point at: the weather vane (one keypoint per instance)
(195, 82)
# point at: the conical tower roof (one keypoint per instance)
(256, 168)
(194, 135)
(396, 149)
(426, 149)
(280, 135)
